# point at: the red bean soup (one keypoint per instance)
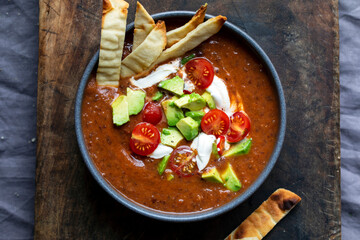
(181, 187)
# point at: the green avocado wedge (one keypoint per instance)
(212, 176)
(171, 137)
(162, 164)
(174, 85)
(209, 100)
(158, 96)
(188, 127)
(230, 179)
(173, 113)
(191, 101)
(136, 100)
(214, 151)
(120, 110)
(196, 115)
(240, 148)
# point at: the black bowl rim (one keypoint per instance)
(197, 216)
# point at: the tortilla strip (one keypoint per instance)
(249, 238)
(193, 39)
(146, 53)
(177, 34)
(263, 219)
(144, 23)
(112, 42)
(107, 6)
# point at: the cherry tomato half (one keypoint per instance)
(186, 91)
(144, 139)
(239, 127)
(182, 161)
(220, 145)
(200, 71)
(215, 122)
(152, 113)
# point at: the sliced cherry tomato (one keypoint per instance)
(144, 139)
(200, 71)
(215, 122)
(186, 91)
(239, 127)
(152, 113)
(182, 161)
(220, 145)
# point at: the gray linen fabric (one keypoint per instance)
(349, 16)
(18, 84)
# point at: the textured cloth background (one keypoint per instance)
(18, 83)
(349, 15)
(18, 86)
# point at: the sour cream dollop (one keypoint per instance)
(161, 151)
(219, 92)
(203, 144)
(160, 74)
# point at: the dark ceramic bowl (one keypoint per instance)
(187, 217)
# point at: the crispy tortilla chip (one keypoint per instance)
(193, 39)
(146, 53)
(144, 23)
(112, 41)
(263, 219)
(249, 238)
(107, 6)
(108, 79)
(177, 34)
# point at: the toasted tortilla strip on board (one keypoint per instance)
(263, 219)
(177, 34)
(146, 53)
(112, 42)
(193, 39)
(143, 24)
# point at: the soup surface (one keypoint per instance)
(137, 178)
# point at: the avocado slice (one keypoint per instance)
(209, 100)
(171, 136)
(120, 110)
(174, 85)
(191, 101)
(196, 115)
(240, 148)
(158, 95)
(188, 127)
(170, 177)
(215, 151)
(230, 179)
(212, 176)
(173, 114)
(162, 164)
(136, 100)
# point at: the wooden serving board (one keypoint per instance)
(300, 37)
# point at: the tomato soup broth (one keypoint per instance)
(137, 178)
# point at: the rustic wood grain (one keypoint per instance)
(300, 37)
